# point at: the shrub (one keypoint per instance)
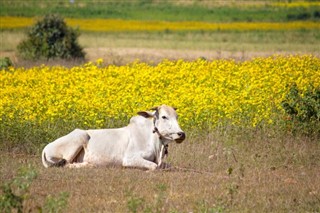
(50, 38)
(15, 193)
(300, 16)
(304, 108)
(5, 63)
(17, 190)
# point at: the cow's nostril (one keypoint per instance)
(182, 135)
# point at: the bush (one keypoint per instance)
(15, 194)
(50, 38)
(304, 108)
(5, 63)
(16, 191)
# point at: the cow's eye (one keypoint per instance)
(164, 117)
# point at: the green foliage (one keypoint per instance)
(204, 207)
(16, 192)
(303, 15)
(50, 38)
(158, 204)
(304, 108)
(56, 205)
(158, 10)
(134, 204)
(5, 63)
(139, 204)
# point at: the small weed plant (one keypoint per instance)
(16, 191)
(5, 63)
(139, 204)
(158, 204)
(15, 194)
(56, 204)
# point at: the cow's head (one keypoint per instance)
(165, 123)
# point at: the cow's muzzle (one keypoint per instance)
(181, 137)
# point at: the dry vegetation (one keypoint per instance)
(215, 172)
(124, 48)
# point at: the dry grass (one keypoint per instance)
(248, 171)
(123, 48)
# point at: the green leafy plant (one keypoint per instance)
(139, 204)
(204, 207)
(5, 63)
(16, 192)
(56, 204)
(303, 108)
(134, 204)
(50, 38)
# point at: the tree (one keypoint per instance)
(50, 38)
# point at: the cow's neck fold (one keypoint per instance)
(162, 140)
(156, 130)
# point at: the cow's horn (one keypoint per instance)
(154, 108)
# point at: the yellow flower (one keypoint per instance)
(116, 25)
(206, 93)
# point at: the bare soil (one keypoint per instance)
(125, 55)
(122, 56)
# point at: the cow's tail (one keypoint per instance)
(47, 164)
(44, 159)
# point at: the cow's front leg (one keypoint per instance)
(139, 162)
(164, 165)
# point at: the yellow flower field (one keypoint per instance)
(115, 25)
(205, 92)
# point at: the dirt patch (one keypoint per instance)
(121, 56)
(126, 55)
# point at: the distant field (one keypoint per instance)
(210, 11)
(122, 47)
(300, 40)
(116, 25)
(153, 30)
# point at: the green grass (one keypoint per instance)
(159, 10)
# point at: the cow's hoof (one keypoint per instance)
(164, 166)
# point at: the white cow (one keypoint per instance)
(142, 144)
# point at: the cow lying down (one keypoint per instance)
(142, 144)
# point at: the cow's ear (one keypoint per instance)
(146, 114)
(155, 108)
